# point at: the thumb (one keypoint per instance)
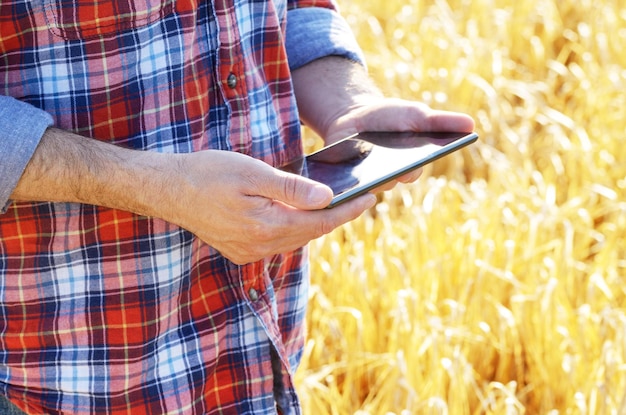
(297, 191)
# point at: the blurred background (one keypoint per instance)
(496, 284)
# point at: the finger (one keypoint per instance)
(298, 227)
(292, 228)
(291, 189)
(406, 178)
(411, 176)
(416, 116)
(322, 222)
(303, 193)
(403, 115)
(437, 120)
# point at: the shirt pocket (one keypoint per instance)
(87, 19)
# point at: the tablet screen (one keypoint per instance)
(364, 161)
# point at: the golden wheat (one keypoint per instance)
(497, 283)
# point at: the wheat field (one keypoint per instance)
(496, 284)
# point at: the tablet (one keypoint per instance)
(364, 161)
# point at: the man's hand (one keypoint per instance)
(336, 99)
(389, 114)
(248, 210)
(242, 207)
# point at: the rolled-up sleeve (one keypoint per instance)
(21, 128)
(317, 30)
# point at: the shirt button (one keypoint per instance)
(254, 295)
(231, 81)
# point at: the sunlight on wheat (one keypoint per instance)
(497, 283)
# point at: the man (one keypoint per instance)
(150, 251)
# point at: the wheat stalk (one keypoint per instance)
(496, 284)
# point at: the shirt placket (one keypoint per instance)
(232, 76)
(254, 279)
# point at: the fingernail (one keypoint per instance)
(319, 195)
(370, 201)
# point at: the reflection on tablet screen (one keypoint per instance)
(366, 160)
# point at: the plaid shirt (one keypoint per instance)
(103, 311)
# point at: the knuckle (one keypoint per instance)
(259, 235)
(290, 187)
(255, 231)
(243, 260)
(324, 227)
(246, 255)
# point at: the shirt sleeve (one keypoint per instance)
(21, 128)
(315, 29)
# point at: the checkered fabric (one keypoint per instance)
(106, 312)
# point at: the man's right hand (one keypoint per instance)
(241, 206)
(248, 210)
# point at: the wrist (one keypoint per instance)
(330, 88)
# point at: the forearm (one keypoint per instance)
(69, 168)
(239, 205)
(330, 87)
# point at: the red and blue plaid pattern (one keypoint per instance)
(103, 311)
